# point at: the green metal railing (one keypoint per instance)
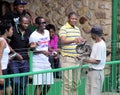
(112, 78)
(115, 44)
(56, 87)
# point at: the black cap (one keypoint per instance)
(96, 30)
(19, 2)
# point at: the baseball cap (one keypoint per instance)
(96, 30)
(19, 2)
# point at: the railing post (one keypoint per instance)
(31, 60)
(113, 42)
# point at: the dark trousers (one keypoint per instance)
(19, 83)
(55, 63)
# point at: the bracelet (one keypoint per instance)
(13, 55)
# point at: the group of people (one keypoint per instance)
(17, 39)
(16, 45)
(70, 36)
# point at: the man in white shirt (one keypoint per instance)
(39, 40)
(95, 73)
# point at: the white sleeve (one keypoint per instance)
(47, 33)
(32, 38)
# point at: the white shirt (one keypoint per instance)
(40, 60)
(5, 56)
(98, 53)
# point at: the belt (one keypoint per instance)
(92, 69)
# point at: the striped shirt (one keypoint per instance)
(70, 33)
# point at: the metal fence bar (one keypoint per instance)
(55, 89)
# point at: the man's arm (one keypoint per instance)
(65, 41)
(92, 61)
(15, 54)
(33, 46)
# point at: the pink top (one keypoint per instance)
(53, 43)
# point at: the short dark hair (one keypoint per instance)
(72, 13)
(38, 20)
(21, 17)
(5, 25)
(50, 26)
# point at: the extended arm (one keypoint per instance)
(65, 41)
(33, 45)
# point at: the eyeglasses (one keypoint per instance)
(43, 22)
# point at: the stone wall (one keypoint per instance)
(91, 12)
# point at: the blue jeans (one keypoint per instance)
(19, 83)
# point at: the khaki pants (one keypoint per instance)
(70, 77)
(94, 82)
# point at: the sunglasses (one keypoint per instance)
(43, 22)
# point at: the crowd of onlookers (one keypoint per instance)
(17, 39)
(20, 41)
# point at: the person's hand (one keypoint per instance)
(46, 53)
(78, 40)
(85, 60)
(19, 57)
(55, 54)
(78, 57)
(33, 45)
(2, 81)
